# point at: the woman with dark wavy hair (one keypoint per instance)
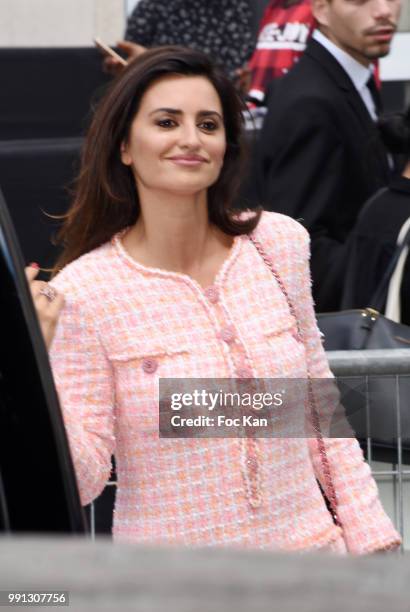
(162, 279)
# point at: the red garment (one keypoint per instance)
(282, 39)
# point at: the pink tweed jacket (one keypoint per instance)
(125, 325)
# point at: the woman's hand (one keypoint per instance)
(113, 66)
(47, 301)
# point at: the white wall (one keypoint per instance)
(396, 66)
(130, 5)
(60, 23)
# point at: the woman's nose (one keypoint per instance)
(190, 136)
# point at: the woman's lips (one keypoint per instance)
(188, 160)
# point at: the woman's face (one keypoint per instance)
(177, 138)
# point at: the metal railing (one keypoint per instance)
(365, 365)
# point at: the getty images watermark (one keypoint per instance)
(278, 407)
(192, 408)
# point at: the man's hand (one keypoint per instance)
(113, 66)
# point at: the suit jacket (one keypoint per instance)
(320, 158)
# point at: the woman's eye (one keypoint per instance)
(166, 123)
(209, 126)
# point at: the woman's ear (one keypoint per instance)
(125, 156)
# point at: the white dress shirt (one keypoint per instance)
(358, 73)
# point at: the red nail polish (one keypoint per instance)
(34, 264)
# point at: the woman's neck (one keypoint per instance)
(173, 233)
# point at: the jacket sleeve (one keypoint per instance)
(302, 153)
(366, 526)
(85, 388)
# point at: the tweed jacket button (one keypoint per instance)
(149, 365)
(296, 336)
(212, 294)
(245, 372)
(227, 335)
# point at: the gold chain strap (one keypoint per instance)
(330, 489)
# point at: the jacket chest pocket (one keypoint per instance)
(147, 360)
(137, 374)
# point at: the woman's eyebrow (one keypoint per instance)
(208, 113)
(170, 111)
(176, 111)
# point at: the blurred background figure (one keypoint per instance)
(220, 28)
(374, 239)
(320, 155)
(283, 34)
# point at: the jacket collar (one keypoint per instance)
(338, 74)
(358, 73)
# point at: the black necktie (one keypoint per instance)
(375, 93)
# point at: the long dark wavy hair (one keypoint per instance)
(105, 195)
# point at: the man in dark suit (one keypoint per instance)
(320, 155)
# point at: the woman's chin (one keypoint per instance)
(188, 188)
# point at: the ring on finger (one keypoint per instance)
(49, 292)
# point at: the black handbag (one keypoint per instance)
(367, 328)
